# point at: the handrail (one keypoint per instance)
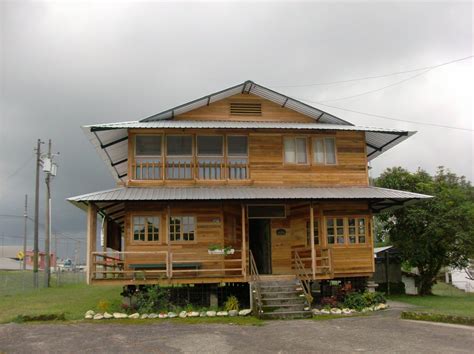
(255, 278)
(303, 277)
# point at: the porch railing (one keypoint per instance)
(255, 279)
(162, 265)
(304, 277)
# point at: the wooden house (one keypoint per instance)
(234, 186)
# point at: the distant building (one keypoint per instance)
(41, 259)
(462, 278)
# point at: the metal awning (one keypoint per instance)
(112, 201)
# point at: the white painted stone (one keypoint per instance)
(233, 313)
(316, 312)
(245, 312)
(119, 315)
(90, 313)
(336, 311)
(88, 317)
(193, 314)
(153, 315)
(222, 313)
(172, 315)
(108, 315)
(134, 316)
(211, 313)
(98, 316)
(324, 311)
(346, 311)
(183, 314)
(164, 315)
(202, 314)
(143, 316)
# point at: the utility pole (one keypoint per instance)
(50, 168)
(25, 215)
(47, 254)
(36, 236)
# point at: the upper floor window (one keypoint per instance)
(148, 157)
(148, 145)
(179, 156)
(146, 228)
(295, 150)
(237, 157)
(210, 151)
(324, 151)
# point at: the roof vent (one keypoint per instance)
(245, 109)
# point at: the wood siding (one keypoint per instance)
(220, 110)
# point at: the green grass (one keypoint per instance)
(445, 300)
(73, 300)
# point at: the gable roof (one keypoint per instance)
(255, 89)
(111, 139)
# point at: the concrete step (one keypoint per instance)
(283, 307)
(284, 300)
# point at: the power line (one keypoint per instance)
(21, 167)
(374, 76)
(386, 117)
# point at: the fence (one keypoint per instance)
(17, 282)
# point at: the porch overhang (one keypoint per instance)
(110, 203)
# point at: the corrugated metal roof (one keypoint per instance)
(187, 124)
(244, 193)
(258, 90)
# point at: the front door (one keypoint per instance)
(260, 243)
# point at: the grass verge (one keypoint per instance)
(436, 317)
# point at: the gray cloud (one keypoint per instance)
(66, 65)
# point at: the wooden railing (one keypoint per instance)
(255, 279)
(304, 277)
(184, 169)
(162, 265)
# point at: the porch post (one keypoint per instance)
(91, 239)
(105, 227)
(244, 245)
(311, 232)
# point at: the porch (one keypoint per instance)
(165, 235)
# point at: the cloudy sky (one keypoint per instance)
(66, 64)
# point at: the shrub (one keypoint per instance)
(329, 301)
(374, 298)
(232, 303)
(355, 301)
(152, 298)
(436, 317)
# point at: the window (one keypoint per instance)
(148, 145)
(335, 230)
(146, 228)
(324, 151)
(210, 156)
(316, 232)
(348, 230)
(237, 156)
(182, 228)
(295, 150)
(266, 211)
(179, 155)
(148, 152)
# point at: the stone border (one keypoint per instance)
(92, 315)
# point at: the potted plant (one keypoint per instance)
(217, 249)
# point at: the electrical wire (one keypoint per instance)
(386, 117)
(374, 76)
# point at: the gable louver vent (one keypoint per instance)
(245, 109)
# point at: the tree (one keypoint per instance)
(432, 233)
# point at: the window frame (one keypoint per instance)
(347, 242)
(296, 163)
(313, 155)
(145, 215)
(227, 146)
(317, 236)
(181, 241)
(222, 155)
(266, 217)
(148, 156)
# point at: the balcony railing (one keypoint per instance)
(163, 265)
(185, 169)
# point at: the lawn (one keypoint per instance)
(446, 300)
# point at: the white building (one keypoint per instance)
(462, 278)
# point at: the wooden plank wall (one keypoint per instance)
(220, 110)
